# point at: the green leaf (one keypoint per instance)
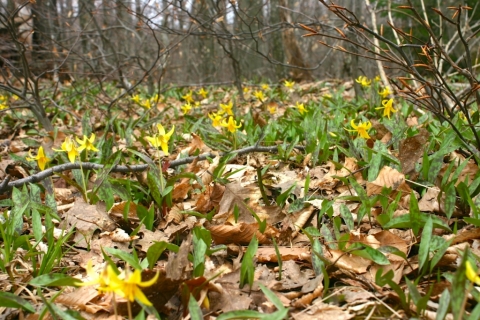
(369, 253)
(347, 217)
(125, 256)
(425, 243)
(146, 215)
(282, 198)
(154, 186)
(37, 225)
(272, 297)
(9, 300)
(155, 251)
(317, 252)
(201, 242)
(374, 168)
(404, 222)
(443, 304)
(450, 199)
(240, 314)
(436, 165)
(54, 280)
(415, 220)
(440, 253)
(247, 268)
(195, 311)
(458, 287)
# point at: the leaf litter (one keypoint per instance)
(353, 252)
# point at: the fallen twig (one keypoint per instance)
(5, 185)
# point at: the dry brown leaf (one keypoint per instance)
(411, 150)
(268, 254)
(86, 219)
(323, 311)
(245, 198)
(348, 262)
(79, 299)
(241, 233)
(388, 178)
(210, 198)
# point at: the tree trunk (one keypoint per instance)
(292, 49)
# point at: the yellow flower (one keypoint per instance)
(197, 104)
(3, 98)
(216, 118)
(231, 125)
(471, 274)
(3, 106)
(364, 81)
(289, 84)
(327, 95)
(259, 95)
(146, 104)
(203, 93)
(246, 89)
(136, 99)
(186, 108)
(188, 97)
(361, 128)
(102, 280)
(69, 147)
(385, 92)
(155, 98)
(129, 287)
(160, 140)
(272, 109)
(377, 78)
(86, 143)
(40, 157)
(226, 108)
(387, 108)
(301, 108)
(265, 86)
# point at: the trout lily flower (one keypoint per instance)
(259, 95)
(272, 109)
(231, 125)
(265, 86)
(136, 99)
(160, 140)
(128, 284)
(471, 274)
(102, 279)
(226, 108)
(70, 148)
(387, 108)
(86, 143)
(216, 119)
(289, 84)
(188, 97)
(385, 93)
(186, 108)
(301, 108)
(203, 93)
(40, 158)
(362, 128)
(146, 104)
(364, 81)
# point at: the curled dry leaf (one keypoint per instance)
(268, 254)
(241, 233)
(210, 198)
